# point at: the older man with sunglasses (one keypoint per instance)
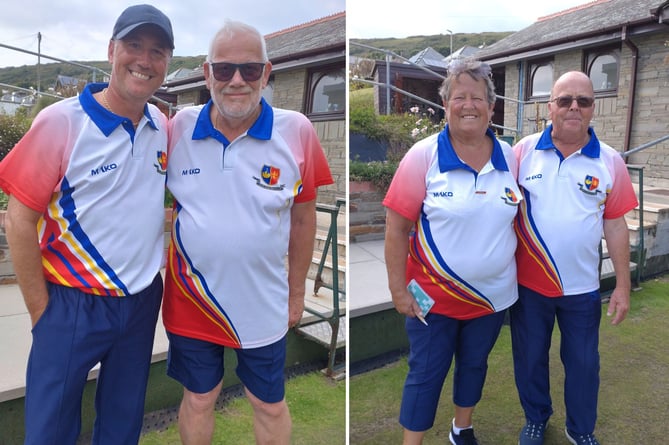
(244, 176)
(575, 188)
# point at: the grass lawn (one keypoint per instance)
(633, 396)
(317, 405)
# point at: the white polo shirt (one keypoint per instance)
(100, 185)
(462, 251)
(226, 274)
(560, 223)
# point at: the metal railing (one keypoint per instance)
(93, 69)
(644, 146)
(332, 317)
(639, 248)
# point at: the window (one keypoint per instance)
(602, 67)
(540, 79)
(327, 93)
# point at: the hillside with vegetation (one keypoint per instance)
(25, 76)
(409, 46)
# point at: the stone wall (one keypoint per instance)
(289, 90)
(651, 104)
(367, 216)
(332, 135)
(651, 110)
(289, 93)
(189, 98)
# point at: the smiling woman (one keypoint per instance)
(443, 186)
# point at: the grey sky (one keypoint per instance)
(376, 18)
(80, 29)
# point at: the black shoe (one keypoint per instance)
(466, 437)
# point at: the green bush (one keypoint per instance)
(12, 128)
(362, 117)
(42, 103)
(378, 173)
(398, 131)
(3, 200)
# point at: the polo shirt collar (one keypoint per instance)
(104, 119)
(591, 149)
(261, 128)
(449, 160)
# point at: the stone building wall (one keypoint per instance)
(367, 216)
(650, 116)
(289, 93)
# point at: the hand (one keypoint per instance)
(406, 304)
(295, 311)
(619, 305)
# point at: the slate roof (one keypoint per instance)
(428, 57)
(311, 37)
(67, 81)
(182, 73)
(464, 52)
(596, 17)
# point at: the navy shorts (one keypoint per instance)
(198, 365)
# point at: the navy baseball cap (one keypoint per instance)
(138, 15)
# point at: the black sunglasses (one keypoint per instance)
(224, 71)
(581, 101)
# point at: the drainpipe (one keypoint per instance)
(521, 104)
(632, 87)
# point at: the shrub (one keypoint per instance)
(12, 128)
(3, 200)
(398, 131)
(378, 173)
(362, 117)
(42, 103)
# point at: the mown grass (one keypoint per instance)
(317, 405)
(634, 390)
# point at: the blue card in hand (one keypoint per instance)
(424, 300)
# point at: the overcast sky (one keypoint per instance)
(80, 29)
(375, 18)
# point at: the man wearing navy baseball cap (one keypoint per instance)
(90, 173)
(139, 15)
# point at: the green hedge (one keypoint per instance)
(12, 129)
(398, 131)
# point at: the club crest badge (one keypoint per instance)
(161, 159)
(509, 197)
(589, 185)
(269, 178)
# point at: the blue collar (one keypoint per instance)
(591, 149)
(105, 120)
(449, 160)
(261, 128)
